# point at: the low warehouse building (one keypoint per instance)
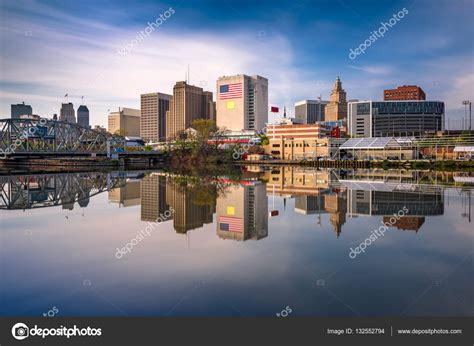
(304, 149)
(379, 148)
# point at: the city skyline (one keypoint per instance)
(50, 51)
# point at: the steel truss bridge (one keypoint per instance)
(29, 136)
(49, 190)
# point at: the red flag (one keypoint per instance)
(274, 109)
(336, 132)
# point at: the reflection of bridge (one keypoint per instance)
(30, 136)
(48, 190)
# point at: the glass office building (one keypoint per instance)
(394, 118)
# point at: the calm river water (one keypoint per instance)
(283, 241)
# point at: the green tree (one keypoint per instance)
(205, 129)
(120, 132)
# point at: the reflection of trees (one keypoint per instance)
(204, 190)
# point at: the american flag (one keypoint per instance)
(231, 224)
(230, 91)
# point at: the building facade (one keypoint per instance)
(67, 113)
(242, 102)
(336, 109)
(297, 131)
(188, 103)
(405, 92)
(153, 116)
(394, 118)
(304, 148)
(20, 109)
(310, 111)
(126, 121)
(83, 116)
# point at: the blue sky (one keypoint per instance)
(51, 48)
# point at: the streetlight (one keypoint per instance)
(465, 103)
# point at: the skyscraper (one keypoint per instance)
(310, 111)
(336, 109)
(242, 102)
(20, 109)
(153, 116)
(83, 116)
(188, 103)
(67, 113)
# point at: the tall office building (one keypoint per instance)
(242, 213)
(336, 109)
(310, 111)
(242, 102)
(126, 120)
(188, 103)
(67, 113)
(153, 116)
(406, 92)
(83, 116)
(20, 109)
(394, 118)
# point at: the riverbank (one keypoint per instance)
(440, 165)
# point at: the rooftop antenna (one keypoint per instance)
(65, 97)
(82, 98)
(284, 112)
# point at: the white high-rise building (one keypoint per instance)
(242, 102)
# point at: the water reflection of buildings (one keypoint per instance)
(407, 223)
(312, 192)
(192, 206)
(153, 195)
(376, 202)
(242, 213)
(126, 196)
(384, 198)
(289, 180)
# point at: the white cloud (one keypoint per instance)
(88, 65)
(373, 69)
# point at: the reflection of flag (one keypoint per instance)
(231, 224)
(274, 109)
(230, 91)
